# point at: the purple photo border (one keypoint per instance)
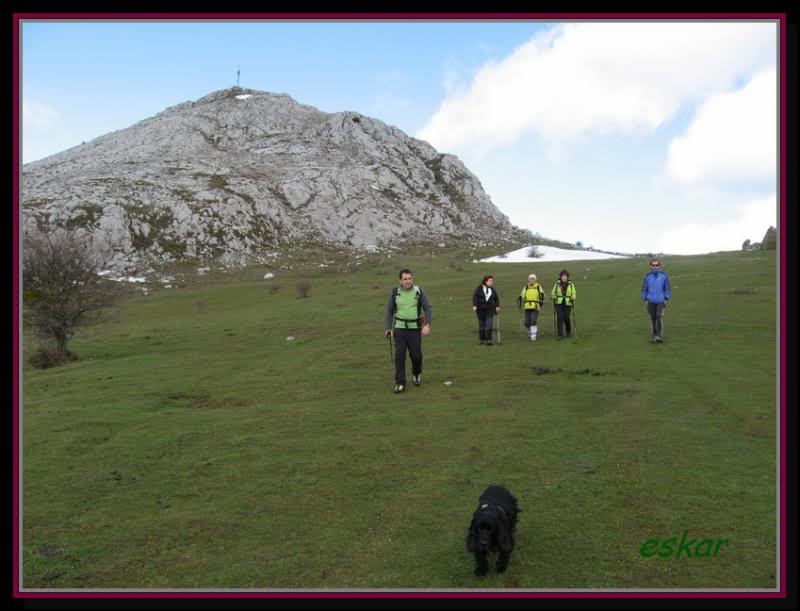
(16, 567)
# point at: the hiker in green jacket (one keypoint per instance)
(408, 319)
(530, 300)
(563, 298)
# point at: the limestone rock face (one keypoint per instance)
(769, 240)
(241, 173)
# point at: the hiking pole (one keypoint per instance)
(574, 320)
(391, 352)
(555, 325)
(498, 328)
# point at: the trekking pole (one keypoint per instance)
(498, 328)
(391, 352)
(574, 320)
(555, 325)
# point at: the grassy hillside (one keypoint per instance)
(194, 446)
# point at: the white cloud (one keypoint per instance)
(733, 136)
(39, 115)
(456, 77)
(695, 238)
(584, 78)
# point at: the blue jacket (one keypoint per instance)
(655, 287)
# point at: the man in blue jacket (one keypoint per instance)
(656, 292)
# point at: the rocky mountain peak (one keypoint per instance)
(240, 173)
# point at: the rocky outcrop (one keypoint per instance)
(768, 242)
(240, 174)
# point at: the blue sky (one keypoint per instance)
(628, 137)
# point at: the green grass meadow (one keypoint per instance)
(193, 446)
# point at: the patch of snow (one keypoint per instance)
(268, 275)
(548, 253)
(290, 338)
(128, 279)
(244, 96)
(448, 383)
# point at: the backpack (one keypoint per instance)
(420, 315)
(521, 301)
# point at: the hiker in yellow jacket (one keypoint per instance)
(563, 297)
(531, 299)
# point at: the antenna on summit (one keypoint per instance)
(237, 75)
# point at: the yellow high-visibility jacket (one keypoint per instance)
(565, 298)
(532, 297)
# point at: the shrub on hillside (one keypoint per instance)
(303, 287)
(61, 291)
(45, 358)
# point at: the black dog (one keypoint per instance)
(492, 528)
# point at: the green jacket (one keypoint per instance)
(532, 297)
(561, 297)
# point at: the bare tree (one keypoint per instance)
(61, 291)
(534, 252)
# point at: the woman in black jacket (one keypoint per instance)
(485, 303)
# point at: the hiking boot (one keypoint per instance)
(417, 379)
(652, 339)
(399, 388)
(488, 342)
(659, 339)
(482, 342)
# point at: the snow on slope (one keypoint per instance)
(549, 253)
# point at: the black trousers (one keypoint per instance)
(562, 317)
(655, 310)
(407, 340)
(485, 323)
